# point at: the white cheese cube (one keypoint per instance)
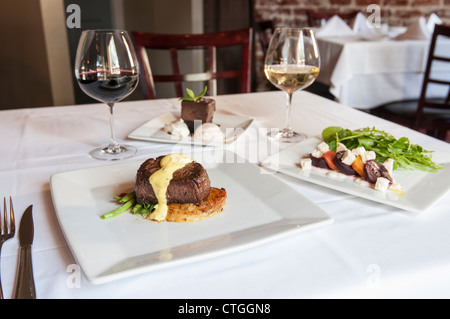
(348, 157)
(389, 164)
(359, 151)
(317, 154)
(368, 155)
(323, 147)
(341, 147)
(382, 184)
(306, 163)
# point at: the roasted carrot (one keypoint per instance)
(329, 158)
(358, 166)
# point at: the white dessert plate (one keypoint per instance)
(231, 125)
(420, 190)
(260, 208)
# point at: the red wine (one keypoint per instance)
(106, 87)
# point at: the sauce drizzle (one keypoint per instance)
(160, 181)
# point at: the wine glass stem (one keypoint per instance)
(287, 131)
(113, 145)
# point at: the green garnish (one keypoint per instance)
(405, 155)
(191, 95)
(129, 203)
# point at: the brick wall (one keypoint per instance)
(292, 13)
(393, 12)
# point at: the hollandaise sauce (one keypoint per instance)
(160, 181)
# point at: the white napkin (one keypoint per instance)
(361, 25)
(416, 31)
(432, 20)
(335, 26)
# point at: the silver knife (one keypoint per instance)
(25, 282)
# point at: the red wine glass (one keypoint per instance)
(107, 70)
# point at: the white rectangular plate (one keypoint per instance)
(232, 126)
(420, 189)
(259, 208)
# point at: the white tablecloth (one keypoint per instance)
(371, 250)
(365, 74)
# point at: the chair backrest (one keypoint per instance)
(441, 32)
(316, 18)
(207, 41)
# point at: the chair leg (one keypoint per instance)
(442, 135)
(432, 132)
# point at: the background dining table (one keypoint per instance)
(366, 71)
(371, 250)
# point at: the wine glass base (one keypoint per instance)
(109, 153)
(287, 136)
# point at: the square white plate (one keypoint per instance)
(259, 208)
(421, 189)
(231, 125)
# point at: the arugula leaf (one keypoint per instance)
(204, 91)
(329, 133)
(191, 95)
(405, 155)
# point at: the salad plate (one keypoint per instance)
(128, 244)
(231, 125)
(420, 190)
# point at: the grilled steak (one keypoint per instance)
(189, 184)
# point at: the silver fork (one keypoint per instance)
(7, 230)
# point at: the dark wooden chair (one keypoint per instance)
(315, 18)
(424, 114)
(208, 42)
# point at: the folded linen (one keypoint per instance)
(432, 20)
(416, 31)
(335, 26)
(360, 24)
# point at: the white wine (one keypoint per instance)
(291, 64)
(291, 77)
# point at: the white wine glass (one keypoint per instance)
(107, 70)
(292, 63)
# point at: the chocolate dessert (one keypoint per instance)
(197, 112)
